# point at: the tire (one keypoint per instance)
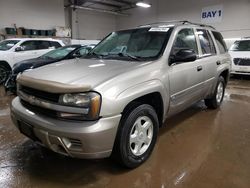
(4, 73)
(136, 136)
(215, 101)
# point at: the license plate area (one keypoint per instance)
(27, 130)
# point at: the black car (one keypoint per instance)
(63, 53)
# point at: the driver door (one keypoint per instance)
(186, 78)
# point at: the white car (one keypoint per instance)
(19, 49)
(240, 53)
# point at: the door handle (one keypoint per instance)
(199, 68)
(218, 62)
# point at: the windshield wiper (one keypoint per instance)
(94, 54)
(136, 58)
(121, 54)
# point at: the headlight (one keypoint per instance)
(90, 102)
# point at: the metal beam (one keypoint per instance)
(99, 10)
(105, 3)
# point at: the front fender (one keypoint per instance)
(116, 105)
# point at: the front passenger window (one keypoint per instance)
(185, 40)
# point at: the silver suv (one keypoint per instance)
(114, 100)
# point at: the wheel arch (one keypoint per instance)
(154, 99)
(6, 64)
(225, 74)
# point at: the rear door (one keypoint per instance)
(208, 57)
(186, 78)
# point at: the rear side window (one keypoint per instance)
(206, 42)
(42, 45)
(220, 42)
(185, 40)
(55, 44)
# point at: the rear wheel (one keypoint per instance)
(4, 73)
(137, 136)
(218, 95)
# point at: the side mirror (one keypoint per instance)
(18, 49)
(76, 55)
(183, 55)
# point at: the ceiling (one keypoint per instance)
(108, 6)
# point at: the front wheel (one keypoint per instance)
(4, 73)
(137, 136)
(217, 98)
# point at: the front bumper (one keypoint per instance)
(236, 69)
(89, 139)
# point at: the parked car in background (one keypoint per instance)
(18, 49)
(240, 53)
(62, 53)
(114, 100)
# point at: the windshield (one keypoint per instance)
(7, 44)
(243, 45)
(136, 44)
(59, 53)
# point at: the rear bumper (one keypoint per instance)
(76, 139)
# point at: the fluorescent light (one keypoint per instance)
(142, 4)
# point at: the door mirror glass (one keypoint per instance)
(18, 49)
(183, 55)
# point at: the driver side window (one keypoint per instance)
(28, 45)
(185, 40)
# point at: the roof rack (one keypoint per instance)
(178, 21)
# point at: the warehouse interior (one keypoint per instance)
(195, 148)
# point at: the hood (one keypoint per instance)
(4, 53)
(239, 54)
(30, 64)
(82, 71)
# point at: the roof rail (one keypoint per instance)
(164, 22)
(177, 21)
(199, 24)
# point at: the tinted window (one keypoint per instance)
(220, 42)
(207, 45)
(42, 45)
(185, 40)
(55, 44)
(37, 45)
(29, 45)
(243, 45)
(7, 44)
(59, 53)
(84, 50)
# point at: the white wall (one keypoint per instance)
(235, 21)
(34, 14)
(91, 25)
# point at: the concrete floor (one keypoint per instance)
(198, 148)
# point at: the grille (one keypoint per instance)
(39, 110)
(242, 61)
(75, 143)
(40, 94)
